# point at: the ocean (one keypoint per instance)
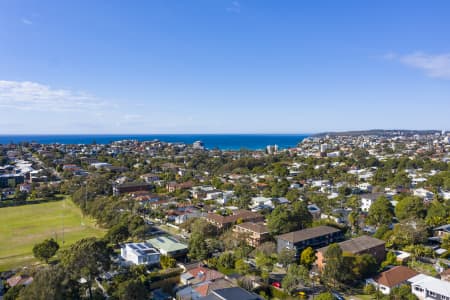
(211, 141)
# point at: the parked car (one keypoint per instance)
(276, 284)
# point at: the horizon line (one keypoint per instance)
(219, 133)
(194, 133)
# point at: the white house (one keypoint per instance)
(320, 183)
(365, 187)
(427, 287)
(367, 201)
(226, 196)
(333, 154)
(391, 278)
(416, 180)
(426, 195)
(445, 195)
(261, 203)
(140, 254)
(214, 194)
(99, 165)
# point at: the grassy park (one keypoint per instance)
(23, 226)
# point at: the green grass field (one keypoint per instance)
(23, 226)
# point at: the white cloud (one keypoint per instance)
(132, 117)
(436, 66)
(26, 21)
(32, 96)
(235, 7)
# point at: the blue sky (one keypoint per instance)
(216, 66)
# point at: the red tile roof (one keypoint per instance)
(205, 274)
(395, 276)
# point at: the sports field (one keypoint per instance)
(23, 226)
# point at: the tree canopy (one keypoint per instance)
(45, 250)
(283, 219)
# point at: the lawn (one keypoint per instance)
(23, 226)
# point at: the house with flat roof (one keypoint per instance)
(429, 288)
(140, 254)
(391, 278)
(360, 245)
(315, 237)
(168, 246)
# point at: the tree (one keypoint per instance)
(263, 262)
(405, 234)
(410, 207)
(19, 195)
(280, 170)
(437, 213)
(283, 219)
(295, 276)
(233, 241)
(241, 267)
(45, 250)
(308, 257)
(205, 229)
(226, 260)
(279, 221)
(333, 271)
(402, 292)
(369, 289)
(381, 231)
(293, 195)
(118, 233)
(51, 283)
(13, 293)
(167, 262)
(325, 296)
(267, 248)
(286, 257)
(391, 259)
(197, 247)
(419, 250)
(132, 290)
(380, 212)
(87, 258)
(244, 195)
(364, 266)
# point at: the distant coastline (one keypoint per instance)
(211, 141)
(377, 132)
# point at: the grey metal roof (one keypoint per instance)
(306, 234)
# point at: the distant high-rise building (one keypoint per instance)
(272, 149)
